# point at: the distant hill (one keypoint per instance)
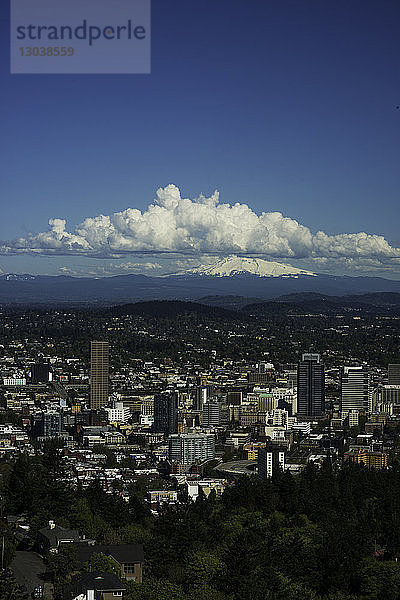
(171, 309)
(35, 290)
(230, 302)
(379, 298)
(309, 302)
(272, 309)
(301, 297)
(375, 299)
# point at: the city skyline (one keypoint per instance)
(196, 435)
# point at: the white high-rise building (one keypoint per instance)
(118, 413)
(355, 389)
(189, 448)
(280, 417)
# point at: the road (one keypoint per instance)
(29, 568)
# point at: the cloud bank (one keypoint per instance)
(175, 225)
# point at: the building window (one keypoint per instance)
(117, 593)
(129, 568)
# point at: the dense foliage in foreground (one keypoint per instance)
(324, 534)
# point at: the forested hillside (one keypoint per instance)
(321, 535)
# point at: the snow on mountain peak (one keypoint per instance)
(17, 277)
(238, 265)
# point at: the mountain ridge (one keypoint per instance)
(123, 289)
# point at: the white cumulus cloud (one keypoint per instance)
(202, 226)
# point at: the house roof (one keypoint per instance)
(104, 582)
(122, 553)
(58, 534)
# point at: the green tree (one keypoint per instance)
(102, 563)
(8, 586)
(63, 563)
(203, 568)
(154, 589)
(380, 580)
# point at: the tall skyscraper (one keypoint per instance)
(166, 413)
(394, 374)
(355, 388)
(99, 357)
(310, 386)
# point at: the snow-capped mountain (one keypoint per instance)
(17, 277)
(245, 277)
(238, 265)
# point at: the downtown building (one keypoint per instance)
(310, 386)
(47, 424)
(118, 413)
(354, 389)
(99, 374)
(385, 398)
(394, 374)
(269, 460)
(211, 414)
(166, 413)
(369, 458)
(41, 373)
(191, 448)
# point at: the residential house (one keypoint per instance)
(94, 586)
(129, 557)
(51, 537)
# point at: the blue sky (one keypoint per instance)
(285, 106)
